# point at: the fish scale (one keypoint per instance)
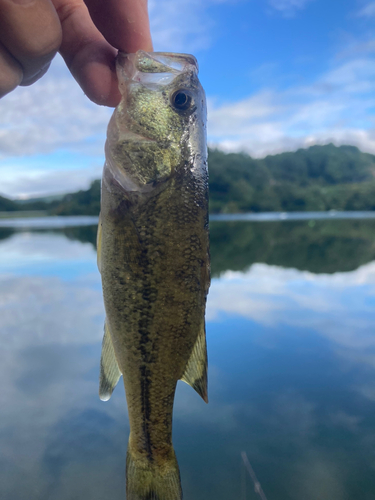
(153, 255)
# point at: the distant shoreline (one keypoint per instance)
(280, 216)
(20, 214)
(60, 221)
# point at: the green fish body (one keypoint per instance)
(153, 255)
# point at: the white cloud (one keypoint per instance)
(338, 306)
(368, 391)
(317, 474)
(294, 414)
(288, 8)
(50, 331)
(51, 137)
(50, 334)
(183, 25)
(190, 408)
(342, 419)
(357, 47)
(336, 107)
(25, 183)
(187, 25)
(31, 247)
(65, 307)
(52, 114)
(52, 311)
(368, 10)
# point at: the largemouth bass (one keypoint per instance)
(153, 255)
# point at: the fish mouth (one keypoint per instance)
(150, 68)
(158, 62)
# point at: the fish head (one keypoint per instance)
(160, 124)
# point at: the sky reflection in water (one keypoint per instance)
(291, 373)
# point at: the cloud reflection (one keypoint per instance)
(278, 386)
(51, 418)
(338, 306)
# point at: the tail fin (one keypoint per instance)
(151, 482)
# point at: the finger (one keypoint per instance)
(11, 73)
(31, 31)
(90, 58)
(124, 23)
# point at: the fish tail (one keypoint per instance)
(145, 481)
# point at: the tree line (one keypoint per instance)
(314, 179)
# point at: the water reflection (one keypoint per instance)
(319, 246)
(5, 233)
(292, 368)
(316, 246)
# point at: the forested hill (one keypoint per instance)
(7, 205)
(313, 179)
(317, 178)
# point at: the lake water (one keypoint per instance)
(291, 339)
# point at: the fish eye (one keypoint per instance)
(181, 100)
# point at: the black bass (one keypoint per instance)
(153, 255)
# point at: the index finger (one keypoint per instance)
(88, 53)
(89, 57)
(124, 23)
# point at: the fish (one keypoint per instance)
(153, 256)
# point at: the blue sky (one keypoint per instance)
(278, 74)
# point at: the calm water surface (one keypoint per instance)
(291, 335)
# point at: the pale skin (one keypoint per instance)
(87, 34)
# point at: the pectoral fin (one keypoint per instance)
(109, 370)
(99, 242)
(196, 368)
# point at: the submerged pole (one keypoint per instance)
(257, 486)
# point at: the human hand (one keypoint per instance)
(86, 33)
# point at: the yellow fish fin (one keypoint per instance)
(109, 371)
(99, 241)
(196, 368)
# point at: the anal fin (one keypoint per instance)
(109, 370)
(196, 369)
